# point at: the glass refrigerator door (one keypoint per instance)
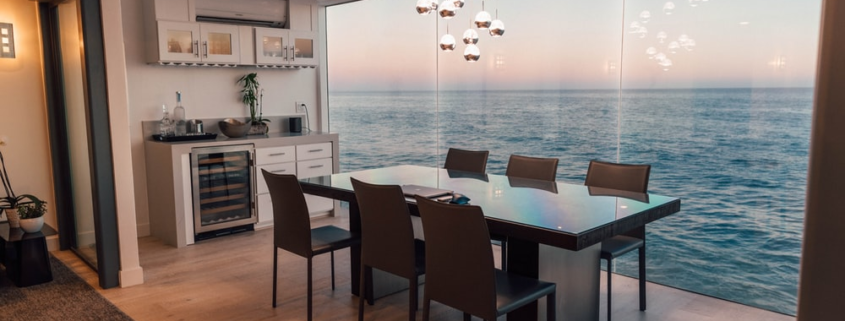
(223, 189)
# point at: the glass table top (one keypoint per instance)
(561, 207)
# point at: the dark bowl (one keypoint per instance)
(234, 128)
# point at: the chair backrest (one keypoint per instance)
(291, 222)
(387, 234)
(532, 167)
(459, 260)
(626, 177)
(466, 160)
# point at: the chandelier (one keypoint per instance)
(447, 10)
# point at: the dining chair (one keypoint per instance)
(625, 177)
(539, 168)
(387, 240)
(292, 230)
(466, 160)
(459, 266)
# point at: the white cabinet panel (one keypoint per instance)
(314, 168)
(275, 155)
(265, 210)
(314, 151)
(285, 47)
(198, 42)
(281, 168)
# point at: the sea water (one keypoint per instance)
(737, 159)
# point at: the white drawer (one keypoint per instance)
(273, 155)
(313, 168)
(313, 151)
(283, 168)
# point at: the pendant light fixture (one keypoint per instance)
(497, 27)
(483, 19)
(448, 9)
(447, 42)
(472, 53)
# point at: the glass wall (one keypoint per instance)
(715, 95)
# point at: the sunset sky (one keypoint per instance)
(575, 44)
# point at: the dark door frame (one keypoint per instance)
(99, 135)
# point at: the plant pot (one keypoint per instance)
(258, 129)
(14, 219)
(32, 225)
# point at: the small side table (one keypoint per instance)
(25, 255)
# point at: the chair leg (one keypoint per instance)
(310, 310)
(362, 293)
(412, 297)
(551, 306)
(332, 254)
(426, 306)
(275, 272)
(504, 255)
(642, 277)
(609, 278)
(467, 316)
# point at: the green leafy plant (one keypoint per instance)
(34, 210)
(11, 200)
(251, 95)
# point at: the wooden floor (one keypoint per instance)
(229, 278)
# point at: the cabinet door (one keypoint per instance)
(178, 41)
(281, 168)
(271, 46)
(219, 43)
(303, 48)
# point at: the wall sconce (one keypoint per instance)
(7, 40)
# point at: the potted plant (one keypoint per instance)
(10, 202)
(252, 95)
(32, 216)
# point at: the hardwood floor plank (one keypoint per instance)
(229, 278)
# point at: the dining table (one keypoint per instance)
(554, 229)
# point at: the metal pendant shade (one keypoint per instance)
(448, 9)
(470, 37)
(458, 3)
(424, 7)
(447, 42)
(472, 53)
(497, 28)
(483, 20)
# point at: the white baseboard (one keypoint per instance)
(130, 277)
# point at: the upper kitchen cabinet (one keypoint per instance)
(192, 42)
(283, 47)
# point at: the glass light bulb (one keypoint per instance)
(424, 7)
(483, 20)
(447, 9)
(447, 42)
(470, 37)
(497, 28)
(472, 53)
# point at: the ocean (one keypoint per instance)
(737, 159)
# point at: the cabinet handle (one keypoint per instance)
(205, 49)
(279, 171)
(196, 48)
(277, 154)
(285, 53)
(315, 150)
(292, 53)
(315, 166)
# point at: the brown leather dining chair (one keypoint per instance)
(539, 168)
(292, 230)
(625, 177)
(387, 240)
(459, 266)
(466, 160)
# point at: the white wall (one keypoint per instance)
(23, 111)
(206, 93)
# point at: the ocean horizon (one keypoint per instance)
(736, 157)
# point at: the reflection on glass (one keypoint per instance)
(219, 43)
(303, 48)
(179, 41)
(272, 46)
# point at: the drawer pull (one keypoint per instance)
(277, 154)
(315, 166)
(315, 150)
(279, 171)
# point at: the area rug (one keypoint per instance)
(67, 297)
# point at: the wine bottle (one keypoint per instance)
(179, 117)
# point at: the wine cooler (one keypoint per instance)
(222, 189)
